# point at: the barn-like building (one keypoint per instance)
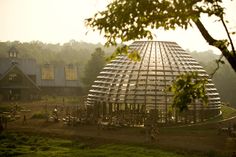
(25, 79)
(130, 91)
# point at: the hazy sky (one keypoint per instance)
(58, 21)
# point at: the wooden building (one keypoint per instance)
(24, 79)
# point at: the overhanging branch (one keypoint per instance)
(204, 32)
(220, 44)
(218, 61)
(227, 31)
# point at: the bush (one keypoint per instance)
(11, 145)
(211, 153)
(3, 136)
(44, 148)
(39, 115)
(22, 140)
(5, 108)
(82, 146)
(10, 153)
(33, 148)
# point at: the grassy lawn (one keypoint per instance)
(27, 146)
(228, 112)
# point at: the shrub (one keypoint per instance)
(44, 148)
(33, 148)
(211, 153)
(5, 108)
(22, 140)
(82, 146)
(3, 136)
(39, 115)
(11, 145)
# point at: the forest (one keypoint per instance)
(80, 53)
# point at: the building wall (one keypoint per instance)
(59, 78)
(62, 91)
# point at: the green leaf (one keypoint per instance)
(187, 88)
(129, 19)
(124, 50)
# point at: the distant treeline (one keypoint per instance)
(80, 53)
(72, 52)
(224, 78)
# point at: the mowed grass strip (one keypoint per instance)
(228, 112)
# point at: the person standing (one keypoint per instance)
(1, 125)
(24, 119)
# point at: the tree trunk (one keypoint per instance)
(231, 57)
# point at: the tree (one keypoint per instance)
(94, 66)
(132, 19)
(125, 20)
(188, 88)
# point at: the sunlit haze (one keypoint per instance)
(58, 21)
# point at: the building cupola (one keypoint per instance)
(13, 52)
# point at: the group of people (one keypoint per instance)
(230, 130)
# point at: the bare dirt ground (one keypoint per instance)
(202, 138)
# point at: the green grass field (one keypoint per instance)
(21, 145)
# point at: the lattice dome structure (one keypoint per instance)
(131, 91)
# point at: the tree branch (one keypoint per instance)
(220, 44)
(227, 31)
(204, 32)
(218, 61)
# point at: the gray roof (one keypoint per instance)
(15, 66)
(30, 67)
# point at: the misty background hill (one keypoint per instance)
(224, 78)
(80, 53)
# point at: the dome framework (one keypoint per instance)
(131, 92)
